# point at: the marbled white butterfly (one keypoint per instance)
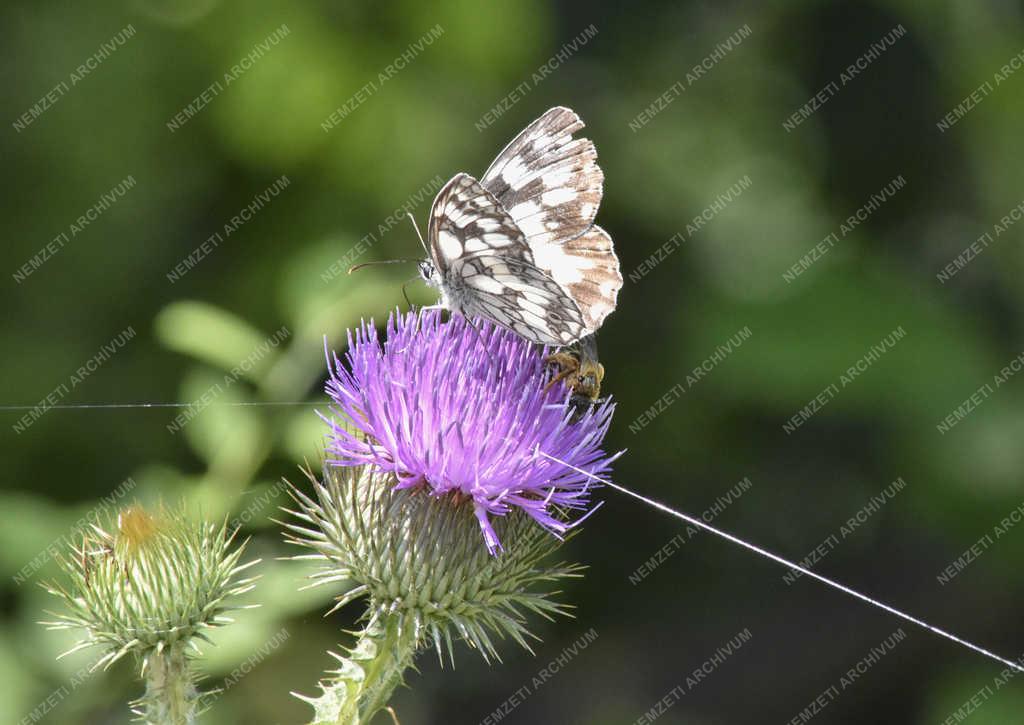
(519, 247)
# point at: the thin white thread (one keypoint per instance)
(87, 406)
(622, 489)
(807, 572)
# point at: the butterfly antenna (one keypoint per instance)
(417, 228)
(356, 267)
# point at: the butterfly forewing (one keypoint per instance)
(466, 219)
(486, 268)
(548, 181)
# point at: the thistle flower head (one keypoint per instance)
(455, 409)
(158, 582)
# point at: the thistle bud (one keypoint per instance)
(152, 588)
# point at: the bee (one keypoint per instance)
(582, 372)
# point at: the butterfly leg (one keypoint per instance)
(426, 308)
(483, 344)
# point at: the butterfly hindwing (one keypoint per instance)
(518, 295)
(588, 270)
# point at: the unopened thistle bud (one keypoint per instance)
(151, 588)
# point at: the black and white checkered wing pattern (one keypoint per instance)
(467, 220)
(551, 186)
(548, 181)
(486, 269)
(521, 297)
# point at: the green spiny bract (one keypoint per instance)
(151, 589)
(427, 578)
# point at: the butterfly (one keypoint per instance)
(583, 373)
(519, 246)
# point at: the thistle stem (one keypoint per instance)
(380, 657)
(171, 694)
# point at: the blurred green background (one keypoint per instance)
(412, 129)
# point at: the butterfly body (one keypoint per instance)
(518, 246)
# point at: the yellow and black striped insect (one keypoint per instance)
(579, 368)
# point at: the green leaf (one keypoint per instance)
(214, 336)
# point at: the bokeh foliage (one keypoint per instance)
(344, 183)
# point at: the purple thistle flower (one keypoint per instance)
(456, 410)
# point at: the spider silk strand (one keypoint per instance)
(792, 565)
(93, 406)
